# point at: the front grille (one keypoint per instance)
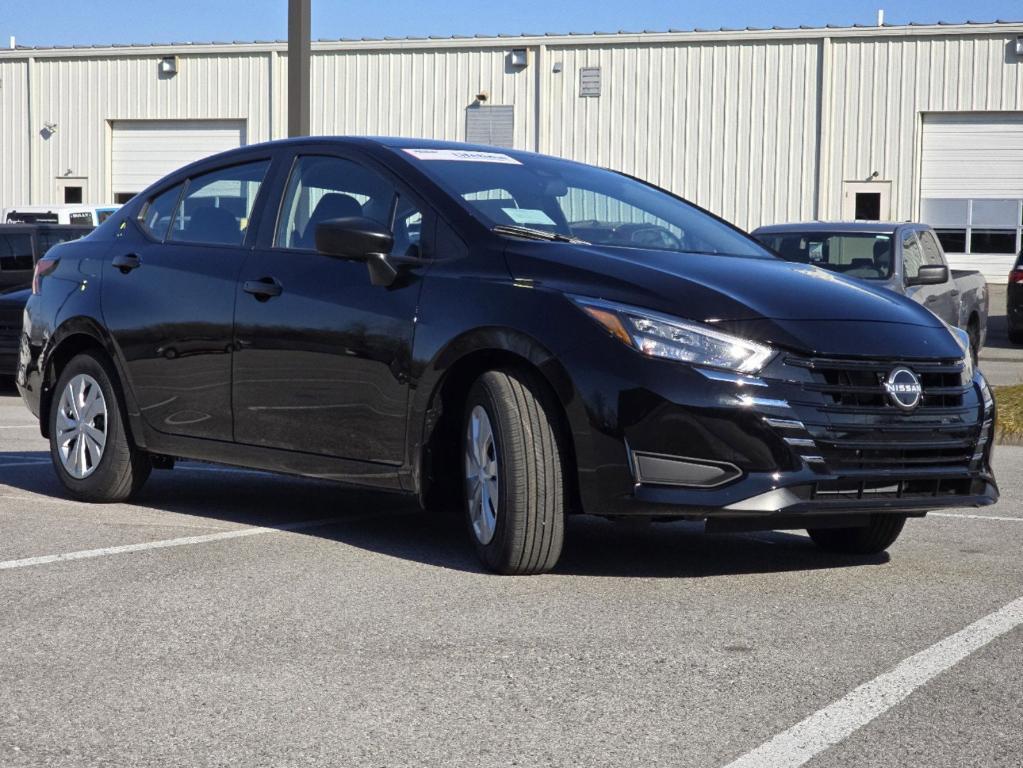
(853, 490)
(856, 429)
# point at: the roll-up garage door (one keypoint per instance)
(971, 187)
(143, 151)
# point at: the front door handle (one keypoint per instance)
(126, 262)
(263, 289)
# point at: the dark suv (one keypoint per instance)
(21, 246)
(521, 335)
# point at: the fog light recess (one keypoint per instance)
(682, 471)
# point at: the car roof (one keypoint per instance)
(870, 227)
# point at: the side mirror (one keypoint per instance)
(358, 238)
(929, 274)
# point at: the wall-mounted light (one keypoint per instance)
(519, 58)
(1019, 46)
(168, 66)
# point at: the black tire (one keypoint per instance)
(973, 331)
(122, 468)
(871, 539)
(530, 524)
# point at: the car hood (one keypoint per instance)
(793, 305)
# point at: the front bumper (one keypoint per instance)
(803, 449)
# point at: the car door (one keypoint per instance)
(168, 298)
(322, 360)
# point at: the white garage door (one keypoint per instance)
(143, 151)
(971, 187)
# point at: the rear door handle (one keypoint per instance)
(263, 289)
(126, 262)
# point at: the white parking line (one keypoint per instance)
(977, 517)
(837, 721)
(185, 541)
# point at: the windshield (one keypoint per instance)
(866, 255)
(574, 201)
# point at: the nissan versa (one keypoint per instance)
(520, 335)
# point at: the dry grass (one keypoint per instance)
(1010, 413)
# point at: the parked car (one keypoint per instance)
(520, 335)
(89, 215)
(21, 245)
(904, 258)
(1014, 302)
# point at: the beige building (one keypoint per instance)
(760, 126)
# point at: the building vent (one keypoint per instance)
(492, 124)
(589, 81)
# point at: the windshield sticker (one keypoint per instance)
(528, 216)
(816, 252)
(462, 155)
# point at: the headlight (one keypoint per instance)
(963, 340)
(660, 335)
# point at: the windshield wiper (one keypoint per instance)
(536, 234)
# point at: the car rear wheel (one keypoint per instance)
(89, 443)
(879, 534)
(973, 331)
(513, 473)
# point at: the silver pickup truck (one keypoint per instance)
(903, 257)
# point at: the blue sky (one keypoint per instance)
(38, 22)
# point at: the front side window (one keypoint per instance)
(912, 256)
(866, 255)
(155, 217)
(323, 188)
(559, 197)
(931, 249)
(216, 207)
(16, 252)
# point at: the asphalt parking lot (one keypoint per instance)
(235, 618)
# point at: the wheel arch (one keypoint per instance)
(442, 389)
(73, 337)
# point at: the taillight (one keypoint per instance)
(1016, 276)
(43, 268)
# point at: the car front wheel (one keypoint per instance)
(871, 539)
(513, 473)
(89, 444)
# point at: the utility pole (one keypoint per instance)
(299, 35)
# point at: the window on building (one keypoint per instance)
(952, 240)
(868, 206)
(216, 206)
(993, 241)
(72, 195)
(124, 197)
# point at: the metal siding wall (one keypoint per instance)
(14, 158)
(421, 93)
(730, 126)
(882, 86)
(83, 95)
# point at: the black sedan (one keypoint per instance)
(520, 335)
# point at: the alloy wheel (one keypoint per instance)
(81, 426)
(481, 465)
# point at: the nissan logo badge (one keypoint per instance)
(903, 388)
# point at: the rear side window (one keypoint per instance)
(16, 252)
(216, 207)
(156, 216)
